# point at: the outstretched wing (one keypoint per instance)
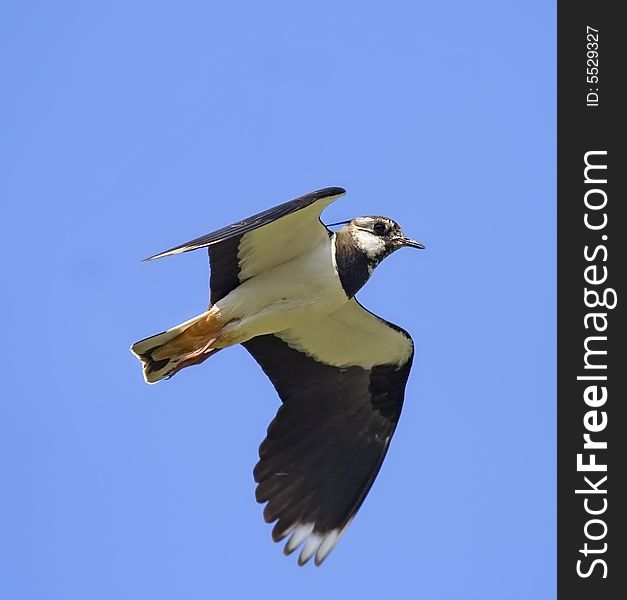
(270, 238)
(342, 382)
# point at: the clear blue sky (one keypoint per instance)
(128, 127)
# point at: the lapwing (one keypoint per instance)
(283, 285)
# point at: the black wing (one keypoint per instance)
(265, 240)
(342, 382)
(252, 223)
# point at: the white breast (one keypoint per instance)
(303, 288)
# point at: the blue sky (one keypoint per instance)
(128, 127)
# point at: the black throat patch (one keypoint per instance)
(352, 263)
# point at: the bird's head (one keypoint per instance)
(378, 237)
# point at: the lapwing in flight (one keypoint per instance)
(283, 285)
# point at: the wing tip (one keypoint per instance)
(329, 192)
(172, 252)
(315, 544)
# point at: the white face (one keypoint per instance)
(371, 244)
(372, 233)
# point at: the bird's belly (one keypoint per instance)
(306, 287)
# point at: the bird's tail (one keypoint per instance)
(187, 344)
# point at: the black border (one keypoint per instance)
(582, 128)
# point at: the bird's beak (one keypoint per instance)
(405, 241)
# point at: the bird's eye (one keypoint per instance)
(379, 228)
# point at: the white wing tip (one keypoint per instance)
(300, 534)
(309, 549)
(172, 252)
(315, 543)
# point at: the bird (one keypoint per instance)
(283, 285)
